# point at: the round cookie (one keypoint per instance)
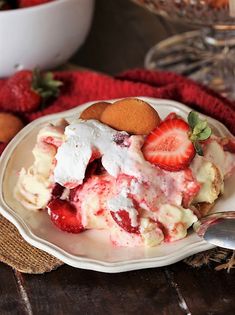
(10, 125)
(131, 115)
(94, 111)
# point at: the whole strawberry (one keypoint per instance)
(31, 3)
(27, 91)
(65, 216)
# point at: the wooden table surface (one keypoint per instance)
(120, 36)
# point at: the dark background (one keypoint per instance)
(121, 34)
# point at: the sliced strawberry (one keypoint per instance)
(122, 218)
(64, 215)
(168, 146)
(74, 192)
(172, 115)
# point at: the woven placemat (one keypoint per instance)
(17, 253)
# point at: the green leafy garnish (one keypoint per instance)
(198, 148)
(45, 85)
(200, 131)
(193, 119)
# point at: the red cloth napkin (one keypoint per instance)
(83, 86)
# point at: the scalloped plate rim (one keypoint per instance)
(81, 261)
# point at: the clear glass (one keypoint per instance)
(208, 55)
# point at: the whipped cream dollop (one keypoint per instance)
(83, 138)
(131, 184)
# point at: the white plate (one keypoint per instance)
(91, 249)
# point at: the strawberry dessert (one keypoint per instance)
(144, 189)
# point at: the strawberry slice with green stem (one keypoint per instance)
(168, 146)
(174, 143)
(45, 85)
(64, 215)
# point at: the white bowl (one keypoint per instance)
(43, 36)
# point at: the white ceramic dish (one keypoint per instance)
(43, 36)
(90, 249)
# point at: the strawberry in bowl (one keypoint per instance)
(19, 4)
(144, 185)
(31, 3)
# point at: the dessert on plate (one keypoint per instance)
(121, 168)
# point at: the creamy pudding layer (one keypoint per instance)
(104, 176)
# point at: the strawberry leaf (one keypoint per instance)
(193, 119)
(200, 131)
(200, 126)
(45, 85)
(204, 134)
(198, 148)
